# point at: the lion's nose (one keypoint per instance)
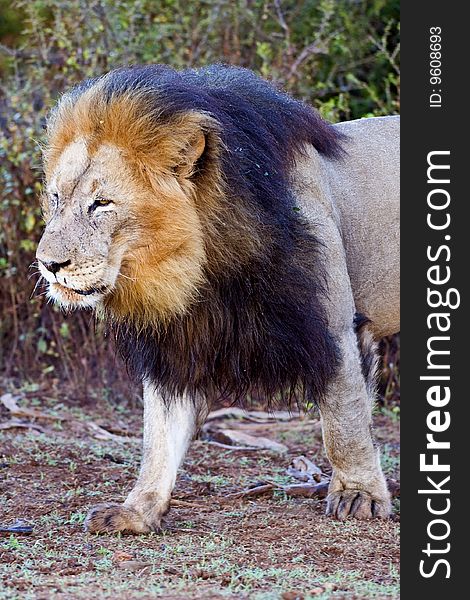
(53, 266)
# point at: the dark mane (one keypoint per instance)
(259, 327)
(248, 107)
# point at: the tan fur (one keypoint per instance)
(354, 206)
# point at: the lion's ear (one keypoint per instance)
(192, 153)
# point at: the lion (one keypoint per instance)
(236, 245)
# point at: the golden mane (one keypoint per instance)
(174, 218)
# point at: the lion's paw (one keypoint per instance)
(358, 504)
(114, 518)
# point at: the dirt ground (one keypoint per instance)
(56, 461)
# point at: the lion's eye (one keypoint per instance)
(99, 202)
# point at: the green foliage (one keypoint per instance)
(340, 55)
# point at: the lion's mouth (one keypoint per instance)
(74, 294)
(90, 291)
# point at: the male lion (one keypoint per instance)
(235, 244)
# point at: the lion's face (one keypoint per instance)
(89, 224)
(116, 236)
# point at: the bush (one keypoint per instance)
(340, 55)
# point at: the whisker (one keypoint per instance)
(36, 287)
(31, 275)
(127, 277)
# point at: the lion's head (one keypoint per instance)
(121, 224)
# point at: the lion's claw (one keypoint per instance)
(356, 503)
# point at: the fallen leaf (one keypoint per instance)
(199, 573)
(318, 591)
(244, 439)
(172, 571)
(115, 459)
(133, 565)
(307, 490)
(229, 446)
(276, 415)
(183, 504)
(299, 490)
(226, 413)
(120, 556)
(9, 402)
(292, 595)
(102, 434)
(332, 550)
(253, 491)
(254, 415)
(327, 587)
(16, 424)
(18, 528)
(305, 470)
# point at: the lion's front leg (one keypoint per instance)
(358, 487)
(168, 430)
